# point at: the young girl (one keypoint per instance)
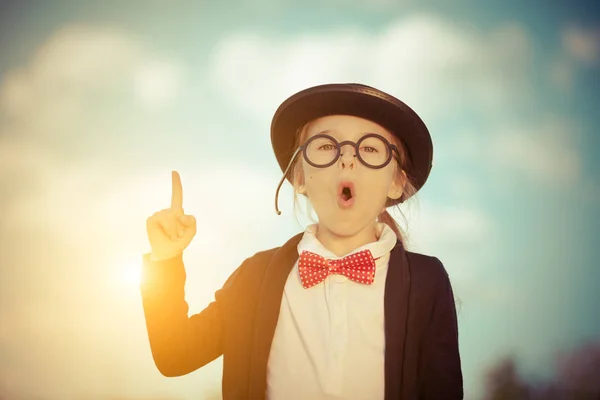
(340, 311)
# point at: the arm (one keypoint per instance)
(440, 370)
(179, 344)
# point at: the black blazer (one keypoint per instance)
(422, 358)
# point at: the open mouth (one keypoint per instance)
(346, 194)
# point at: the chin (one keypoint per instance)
(345, 228)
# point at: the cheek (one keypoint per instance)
(380, 180)
(378, 186)
(317, 181)
(311, 174)
(312, 180)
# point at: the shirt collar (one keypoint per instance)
(381, 247)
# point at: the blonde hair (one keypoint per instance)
(296, 177)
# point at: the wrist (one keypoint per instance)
(158, 257)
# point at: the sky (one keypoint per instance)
(99, 101)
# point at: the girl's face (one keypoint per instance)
(369, 187)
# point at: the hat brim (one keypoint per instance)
(360, 101)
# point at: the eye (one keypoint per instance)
(327, 147)
(370, 149)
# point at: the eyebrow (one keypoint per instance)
(332, 133)
(325, 132)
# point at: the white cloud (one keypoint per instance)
(79, 92)
(157, 82)
(582, 44)
(438, 226)
(547, 153)
(432, 64)
(75, 70)
(69, 102)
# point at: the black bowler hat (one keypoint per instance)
(359, 101)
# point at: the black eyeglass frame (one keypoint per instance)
(355, 145)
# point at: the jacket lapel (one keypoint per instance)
(267, 313)
(397, 293)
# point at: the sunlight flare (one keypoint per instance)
(130, 273)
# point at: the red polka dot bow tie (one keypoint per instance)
(313, 268)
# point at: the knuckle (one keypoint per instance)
(162, 213)
(166, 217)
(156, 217)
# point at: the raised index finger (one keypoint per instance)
(177, 192)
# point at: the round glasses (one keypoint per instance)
(372, 150)
(322, 151)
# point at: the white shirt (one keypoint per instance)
(329, 342)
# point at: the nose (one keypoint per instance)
(347, 156)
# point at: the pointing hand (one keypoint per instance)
(170, 231)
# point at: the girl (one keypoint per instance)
(340, 311)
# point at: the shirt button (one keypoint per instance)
(340, 279)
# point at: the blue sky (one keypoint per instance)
(99, 102)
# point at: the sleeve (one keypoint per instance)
(179, 344)
(441, 373)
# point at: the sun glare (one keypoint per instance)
(130, 274)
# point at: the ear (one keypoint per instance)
(298, 179)
(397, 186)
